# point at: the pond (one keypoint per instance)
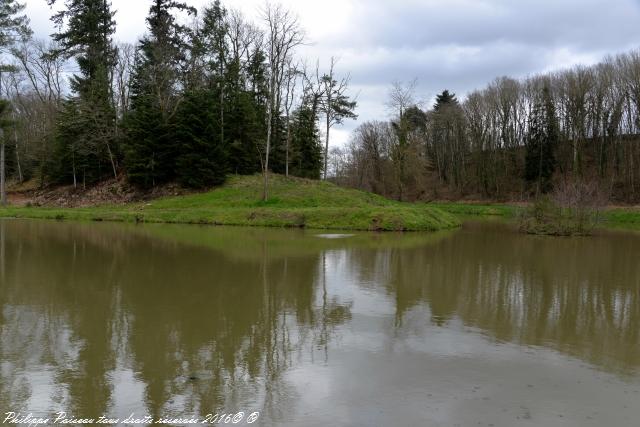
(477, 326)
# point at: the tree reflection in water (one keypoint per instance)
(201, 330)
(110, 319)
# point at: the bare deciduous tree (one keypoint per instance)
(401, 97)
(291, 78)
(283, 35)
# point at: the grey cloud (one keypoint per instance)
(460, 45)
(580, 23)
(443, 65)
(463, 45)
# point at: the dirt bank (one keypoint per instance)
(108, 192)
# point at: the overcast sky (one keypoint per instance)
(459, 45)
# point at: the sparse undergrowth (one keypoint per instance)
(294, 203)
(627, 218)
(572, 210)
(545, 217)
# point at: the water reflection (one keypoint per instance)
(161, 320)
(579, 296)
(82, 303)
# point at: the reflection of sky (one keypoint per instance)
(30, 347)
(457, 373)
(504, 386)
(374, 368)
(128, 394)
(443, 375)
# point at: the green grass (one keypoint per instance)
(293, 203)
(466, 210)
(297, 202)
(628, 218)
(623, 218)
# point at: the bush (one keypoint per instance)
(572, 210)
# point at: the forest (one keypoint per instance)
(205, 94)
(512, 140)
(202, 95)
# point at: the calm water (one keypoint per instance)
(480, 326)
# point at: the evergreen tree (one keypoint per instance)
(149, 146)
(415, 118)
(447, 152)
(445, 99)
(85, 31)
(13, 26)
(202, 121)
(247, 96)
(151, 151)
(70, 155)
(202, 161)
(541, 141)
(214, 36)
(307, 150)
(244, 128)
(277, 157)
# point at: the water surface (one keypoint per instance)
(479, 326)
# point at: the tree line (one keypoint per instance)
(203, 94)
(513, 139)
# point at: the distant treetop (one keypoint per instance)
(444, 99)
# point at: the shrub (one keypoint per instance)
(573, 209)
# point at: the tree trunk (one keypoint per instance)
(73, 167)
(20, 177)
(286, 167)
(3, 190)
(326, 144)
(221, 109)
(265, 170)
(539, 170)
(113, 164)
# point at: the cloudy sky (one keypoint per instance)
(459, 45)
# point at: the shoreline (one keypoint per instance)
(294, 203)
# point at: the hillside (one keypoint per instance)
(294, 202)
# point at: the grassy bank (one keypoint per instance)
(618, 217)
(473, 210)
(293, 203)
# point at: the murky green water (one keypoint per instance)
(480, 326)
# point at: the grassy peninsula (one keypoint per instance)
(294, 202)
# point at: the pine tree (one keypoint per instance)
(150, 148)
(541, 141)
(202, 161)
(445, 99)
(448, 150)
(307, 151)
(214, 36)
(247, 95)
(202, 120)
(13, 26)
(85, 31)
(244, 127)
(70, 155)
